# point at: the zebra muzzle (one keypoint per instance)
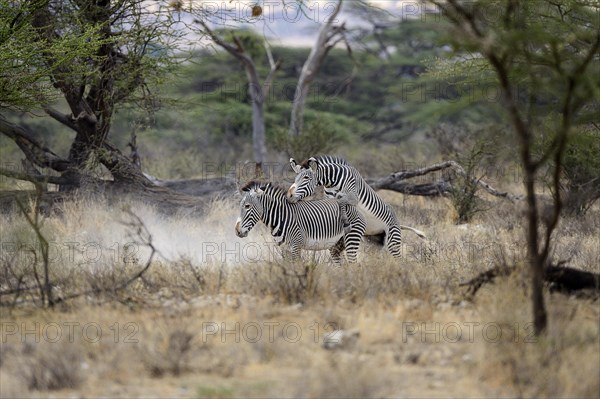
(291, 193)
(238, 229)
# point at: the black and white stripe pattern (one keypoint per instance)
(311, 225)
(340, 179)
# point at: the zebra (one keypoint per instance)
(343, 181)
(312, 225)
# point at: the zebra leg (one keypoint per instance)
(344, 217)
(291, 252)
(394, 241)
(336, 251)
(345, 200)
(353, 235)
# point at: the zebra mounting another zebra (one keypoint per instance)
(341, 180)
(311, 225)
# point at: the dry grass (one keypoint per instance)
(208, 320)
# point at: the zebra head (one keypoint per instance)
(306, 180)
(251, 208)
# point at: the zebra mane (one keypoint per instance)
(269, 188)
(275, 191)
(326, 159)
(253, 184)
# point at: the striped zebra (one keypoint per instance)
(343, 181)
(311, 225)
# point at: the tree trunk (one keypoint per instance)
(536, 261)
(258, 135)
(329, 36)
(259, 145)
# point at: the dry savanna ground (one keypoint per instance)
(217, 316)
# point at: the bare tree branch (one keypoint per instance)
(269, 54)
(394, 182)
(66, 120)
(35, 178)
(38, 154)
(275, 66)
(436, 189)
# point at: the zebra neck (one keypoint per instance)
(330, 177)
(273, 212)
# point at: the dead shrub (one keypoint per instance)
(47, 366)
(290, 282)
(380, 276)
(183, 279)
(343, 375)
(168, 353)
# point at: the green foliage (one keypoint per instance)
(383, 94)
(544, 42)
(209, 106)
(320, 136)
(214, 392)
(546, 55)
(464, 192)
(53, 51)
(24, 81)
(365, 92)
(448, 92)
(581, 165)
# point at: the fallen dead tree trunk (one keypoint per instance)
(396, 182)
(169, 196)
(436, 189)
(559, 278)
(163, 199)
(225, 186)
(153, 189)
(570, 280)
(128, 181)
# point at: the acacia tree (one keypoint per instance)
(257, 90)
(96, 55)
(544, 56)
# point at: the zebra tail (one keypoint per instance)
(417, 232)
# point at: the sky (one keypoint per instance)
(286, 22)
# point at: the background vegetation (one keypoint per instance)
(375, 99)
(412, 92)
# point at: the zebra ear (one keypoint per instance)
(261, 188)
(295, 167)
(312, 162)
